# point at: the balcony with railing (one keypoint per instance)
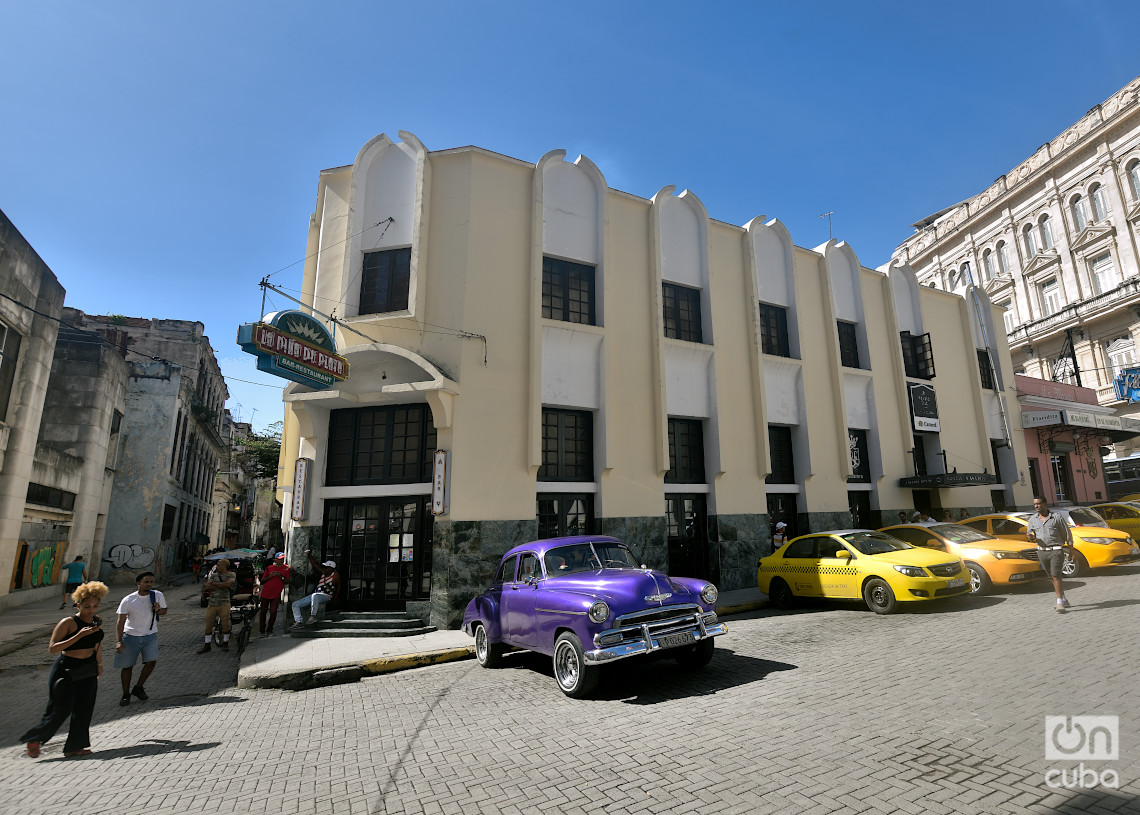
(1126, 295)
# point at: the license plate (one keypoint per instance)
(673, 640)
(955, 583)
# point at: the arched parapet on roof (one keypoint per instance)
(905, 290)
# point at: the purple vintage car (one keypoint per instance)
(585, 601)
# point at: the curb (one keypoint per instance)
(742, 608)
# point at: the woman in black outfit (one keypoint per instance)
(74, 678)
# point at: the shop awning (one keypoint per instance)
(1116, 428)
(947, 480)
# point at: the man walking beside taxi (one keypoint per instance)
(1054, 543)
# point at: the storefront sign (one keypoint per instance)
(301, 471)
(947, 480)
(1109, 422)
(294, 346)
(1127, 385)
(1080, 418)
(1129, 425)
(439, 483)
(860, 460)
(1040, 418)
(923, 407)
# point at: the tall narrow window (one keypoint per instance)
(686, 452)
(9, 354)
(780, 451)
(1009, 317)
(1100, 270)
(567, 445)
(774, 330)
(1121, 354)
(848, 345)
(964, 276)
(1080, 219)
(1050, 297)
(568, 291)
(986, 370)
(1029, 235)
(1003, 258)
(1046, 229)
(988, 264)
(682, 307)
(918, 355)
(1134, 180)
(1099, 202)
(384, 281)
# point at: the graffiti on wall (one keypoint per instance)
(41, 569)
(130, 556)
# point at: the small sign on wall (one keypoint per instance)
(301, 472)
(439, 483)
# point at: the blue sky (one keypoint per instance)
(163, 157)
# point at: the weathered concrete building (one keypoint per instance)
(172, 446)
(31, 301)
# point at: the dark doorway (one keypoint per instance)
(859, 502)
(1062, 478)
(688, 541)
(382, 547)
(782, 507)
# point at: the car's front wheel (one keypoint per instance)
(488, 653)
(575, 678)
(1075, 565)
(697, 655)
(878, 596)
(781, 595)
(979, 580)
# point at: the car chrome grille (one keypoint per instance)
(655, 615)
(945, 569)
(657, 622)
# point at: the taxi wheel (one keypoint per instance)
(781, 595)
(979, 580)
(1074, 567)
(878, 596)
(488, 653)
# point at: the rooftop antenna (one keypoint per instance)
(828, 215)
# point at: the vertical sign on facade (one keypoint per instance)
(301, 489)
(439, 483)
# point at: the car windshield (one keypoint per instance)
(585, 557)
(1083, 516)
(959, 534)
(874, 543)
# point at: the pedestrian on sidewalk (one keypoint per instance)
(219, 584)
(74, 678)
(781, 536)
(1054, 544)
(196, 567)
(76, 577)
(136, 635)
(273, 581)
(327, 587)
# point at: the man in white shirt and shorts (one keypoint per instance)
(137, 635)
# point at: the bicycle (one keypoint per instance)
(245, 613)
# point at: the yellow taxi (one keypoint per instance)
(1097, 545)
(849, 564)
(990, 561)
(1121, 515)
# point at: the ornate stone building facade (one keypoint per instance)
(1055, 242)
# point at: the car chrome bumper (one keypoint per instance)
(641, 640)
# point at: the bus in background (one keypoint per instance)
(1122, 478)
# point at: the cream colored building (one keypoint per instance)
(1054, 242)
(594, 361)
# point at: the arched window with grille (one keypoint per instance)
(988, 264)
(1045, 226)
(1134, 178)
(1029, 236)
(1003, 258)
(1080, 219)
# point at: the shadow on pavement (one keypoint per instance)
(151, 747)
(1104, 604)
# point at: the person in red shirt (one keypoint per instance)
(273, 581)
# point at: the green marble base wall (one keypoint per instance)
(744, 539)
(465, 555)
(645, 536)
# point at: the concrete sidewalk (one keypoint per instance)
(297, 664)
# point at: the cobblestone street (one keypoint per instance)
(825, 709)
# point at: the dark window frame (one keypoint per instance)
(986, 371)
(681, 312)
(554, 520)
(385, 281)
(848, 344)
(918, 355)
(358, 456)
(774, 339)
(781, 452)
(686, 452)
(569, 291)
(567, 439)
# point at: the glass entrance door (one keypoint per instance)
(383, 549)
(688, 539)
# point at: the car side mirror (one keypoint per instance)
(844, 554)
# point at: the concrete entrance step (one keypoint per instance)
(365, 624)
(329, 630)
